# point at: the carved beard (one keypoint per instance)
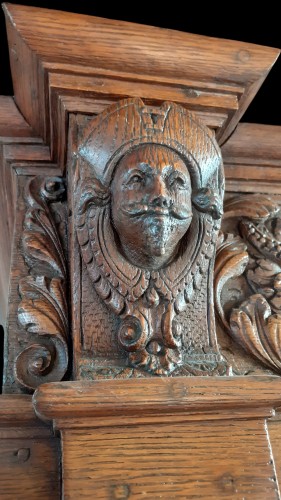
(158, 235)
(151, 240)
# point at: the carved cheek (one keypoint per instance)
(132, 196)
(182, 197)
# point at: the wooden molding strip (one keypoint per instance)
(52, 57)
(144, 397)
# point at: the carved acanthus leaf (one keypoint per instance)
(255, 207)
(231, 260)
(43, 307)
(43, 251)
(252, 324)
(42, 312)
(258, 331)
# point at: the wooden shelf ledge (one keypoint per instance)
(164, 437)
(112, 402)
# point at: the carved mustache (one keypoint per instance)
(138, 210)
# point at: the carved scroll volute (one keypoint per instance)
(42, 311)
(255, 323)
(148, 204)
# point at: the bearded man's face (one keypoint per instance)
(151, 204)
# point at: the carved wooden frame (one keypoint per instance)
(88, 80)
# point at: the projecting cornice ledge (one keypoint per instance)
(58, 68)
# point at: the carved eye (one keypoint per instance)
(135, 179)
(177, 181)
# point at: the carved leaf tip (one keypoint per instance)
(231, 261)
(258, 331)
(253, 206)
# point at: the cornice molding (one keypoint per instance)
(69, 69)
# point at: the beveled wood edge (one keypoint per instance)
(12, 122)
(76, 424)
(94, 46)
(253, 140)
(133, 400)
(17, 410)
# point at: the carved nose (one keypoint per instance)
(160, 196)
(161, 201)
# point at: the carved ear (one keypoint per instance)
(208, 201)
(93, 192)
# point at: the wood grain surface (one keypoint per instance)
(114, 59)
(223, 460)
(29, 469)
(164, 438)
(18, 146)
(163, 395)
(144, 438)
(29, 453)
(252, 159)
(274, 432)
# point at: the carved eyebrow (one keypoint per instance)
(169, 169)
(143, 168)
(131, 172)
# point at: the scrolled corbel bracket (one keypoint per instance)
(147, 194)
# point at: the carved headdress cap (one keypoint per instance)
(129, 123)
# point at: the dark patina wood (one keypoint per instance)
(111, 193)
(146, 186)
(170, 438)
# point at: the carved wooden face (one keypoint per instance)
(151, 204)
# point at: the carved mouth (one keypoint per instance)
(156, 212)
(159, 211)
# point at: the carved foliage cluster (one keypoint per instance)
(42, 311)
(254, 254)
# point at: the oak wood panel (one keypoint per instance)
(274, 430)
(199, 460)
(91, 94)
(252, 159)
(29, 453)
(29, 469)
(254, 141)
(12, 123)
(98, 44)
(164, 438)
